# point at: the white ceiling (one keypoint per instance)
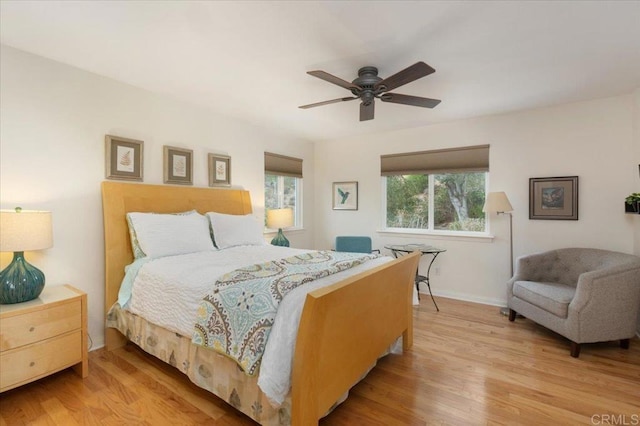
(249, 59)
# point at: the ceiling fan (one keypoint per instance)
(369, 86)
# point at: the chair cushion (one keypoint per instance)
(552, 297)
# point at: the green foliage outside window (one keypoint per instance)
(408, 201)
(457, 203)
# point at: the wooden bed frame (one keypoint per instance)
(344, 327)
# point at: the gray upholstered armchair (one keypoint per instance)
(585, 295)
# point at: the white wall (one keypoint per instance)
(54, 119)
(592, 140)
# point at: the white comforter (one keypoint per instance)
(167, 292)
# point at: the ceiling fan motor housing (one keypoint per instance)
(367, 80)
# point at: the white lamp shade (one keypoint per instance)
(279, 218)
(25, 230)
(497, 202)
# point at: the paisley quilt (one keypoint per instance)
(236, 316)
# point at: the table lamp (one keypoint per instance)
(499, 203)
(22, 230)
(280, 218)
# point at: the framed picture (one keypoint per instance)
(553, 198)
(123, 158)
(219, 170)
(345, 195)
(178, 165)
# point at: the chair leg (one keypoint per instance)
(575, 349)
(624, 343)
(512, 315)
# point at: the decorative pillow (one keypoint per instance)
(236, 230)
(158, 235)
(135, 245)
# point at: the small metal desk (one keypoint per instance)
(400, 249)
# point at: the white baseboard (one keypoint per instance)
(467, 298)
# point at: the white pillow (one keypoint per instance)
(236, 230)
(162, 235)
(135, 245)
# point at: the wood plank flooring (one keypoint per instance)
(468, 366)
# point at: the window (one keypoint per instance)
(440, 190)
(283, 184)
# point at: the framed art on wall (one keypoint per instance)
(123, 158)
(345, 195)
(219, 170)
(178, 165)
(553, 198)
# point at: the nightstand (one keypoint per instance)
(43, 336)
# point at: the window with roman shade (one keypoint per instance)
(283, 184)
(441, 190)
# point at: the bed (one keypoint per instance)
(328, 359)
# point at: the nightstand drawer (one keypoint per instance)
(20, 330)
(34, 361)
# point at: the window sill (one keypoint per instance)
(439, 235)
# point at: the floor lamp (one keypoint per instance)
(499, 203)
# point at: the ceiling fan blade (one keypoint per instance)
(407, 75)
(397, 98)
(333, 79)
(367, 111)
(333, 101)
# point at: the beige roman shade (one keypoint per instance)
(452, 160)
(276, 164)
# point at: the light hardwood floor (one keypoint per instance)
(468, 366)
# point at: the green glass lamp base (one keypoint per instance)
(280, 240)
(20, 281)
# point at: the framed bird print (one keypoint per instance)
(345, 195)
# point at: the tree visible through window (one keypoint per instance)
(454, 201)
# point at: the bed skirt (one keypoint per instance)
(204, 367)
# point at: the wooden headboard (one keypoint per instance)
(120, 198)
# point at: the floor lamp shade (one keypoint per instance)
(497, 202)
(20, 231)
(278, 219)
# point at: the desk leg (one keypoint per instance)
(426, 280)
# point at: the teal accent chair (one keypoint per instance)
(354, 244)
